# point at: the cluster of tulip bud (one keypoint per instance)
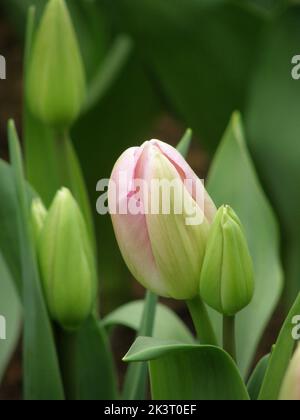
(167, 255)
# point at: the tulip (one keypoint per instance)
(290, 390)
(56, 77)
(163, 249)
(67, 263)
(227, 279)
(38, 217)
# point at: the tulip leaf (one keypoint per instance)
(257, 377)
(280, 357)
(233, 181)
(167, 324)
(185, 143)
(135, 383)
(10, 314)
(9, 245)
(188, 372)
(39, 356)
(97, 380)
(272, 123)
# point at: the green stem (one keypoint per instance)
(229, 344)
(67, 352)
(71, 177)
(202, 322)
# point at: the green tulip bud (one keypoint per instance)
(67, 263)
(56, 77)
(227, 277)
(38, 217)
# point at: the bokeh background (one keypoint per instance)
(169, 65)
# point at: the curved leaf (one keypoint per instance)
(188, 372)
(9, 243)
(10, 309)
(39, 357)
(233, 181)
(280, 357)
(96, 374)
(257, 377)
(167, 325)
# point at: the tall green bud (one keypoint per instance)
(67, 263)
(56, 77)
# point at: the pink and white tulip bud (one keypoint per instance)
(290, 390)
(161, 215)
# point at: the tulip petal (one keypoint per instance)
(183, 167)
(178, 248)
(131, 230)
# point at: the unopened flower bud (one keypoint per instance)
(227, 278)
(290, 390)
(67, 263)
(38, 217)
(161, 245)
(56, 77)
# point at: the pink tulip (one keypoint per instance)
(164, 252)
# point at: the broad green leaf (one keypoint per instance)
(201, 53)
(188, 372)
(10, 309)
(233, 181)
(257, 377)
(273, 127)
(97, 380)
(39, 356)
(280, 357)
(167, 326)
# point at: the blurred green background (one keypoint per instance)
(154, 68)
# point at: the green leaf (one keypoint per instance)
(39, 355)
(257, 377)
(10, 309)
(167, 324)
(280, 357)
(188, 372)
(9, 244)
(97, 380)
(187, 45)
(135, 383)
(233, 181)
(272, 123)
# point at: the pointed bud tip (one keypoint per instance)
(227, 277)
